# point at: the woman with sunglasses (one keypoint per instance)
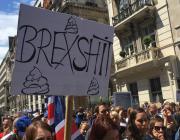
(137, 125)
(157, 130)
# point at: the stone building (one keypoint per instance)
(146, 48)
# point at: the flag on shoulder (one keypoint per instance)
(56, 118)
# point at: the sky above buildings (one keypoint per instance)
(9, 10)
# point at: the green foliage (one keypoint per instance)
(147, 40)
(122, 54)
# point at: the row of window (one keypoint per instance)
(155, 88)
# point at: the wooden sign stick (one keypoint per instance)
(68, 117)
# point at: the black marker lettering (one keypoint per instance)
(41, 48)
(25, 42)
(78, 68)
(68, 52)
(97, 57)
(104, 47)
(55, 48)
(108, 58)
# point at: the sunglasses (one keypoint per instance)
(158, 128)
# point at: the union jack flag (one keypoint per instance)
(56, 118)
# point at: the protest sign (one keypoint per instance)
(122, 99)
(177, 95)
(61, 54)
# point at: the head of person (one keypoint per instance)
(123, 114)
(157, 129)
(103, 109)
(7, 123)
(137, 124)
(129, 110)
(83, 128)
(114, 116)
(153, 109)
(104, 129)
(167, 109)
(38, 130)
(20, 124)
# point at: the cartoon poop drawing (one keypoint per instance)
(93, 88)
(71, 26)
(35, 83)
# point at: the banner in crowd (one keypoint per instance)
(123, 99)
(61, 54)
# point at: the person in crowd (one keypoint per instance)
(169, 121)
(38, 130)
(89, 117)
(45, 117)
(152, 110)
(104, 129)
(37, 116)
(14, 135)
(129, 110)
(79, 116)
(157, 130)
(177, 118)
(145, 106)
(118, 108)
(7, 127)
(115, 117)
(137, 125)
(19, 127)
(101, 110)
(177, 115)
(123, 121)
(83, 128)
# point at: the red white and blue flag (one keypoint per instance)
(56, 118)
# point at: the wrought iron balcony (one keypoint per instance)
(129, 9)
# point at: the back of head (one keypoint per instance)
(31, 131)
(100, 127)
(21, 124)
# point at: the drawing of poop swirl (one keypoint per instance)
(71, 26)
(93, 88)
(35, 83)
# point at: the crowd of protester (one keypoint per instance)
(151, 121)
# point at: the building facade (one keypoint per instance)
(4, 85)
(18, 103)
(145, 51)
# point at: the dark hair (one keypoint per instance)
(31, 131)
(100, 127)
(153, 121)
(132, 130)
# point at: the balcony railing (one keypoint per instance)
(87, 3)
(139, 58)
(129, 9)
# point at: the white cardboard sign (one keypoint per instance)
(61, 54)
